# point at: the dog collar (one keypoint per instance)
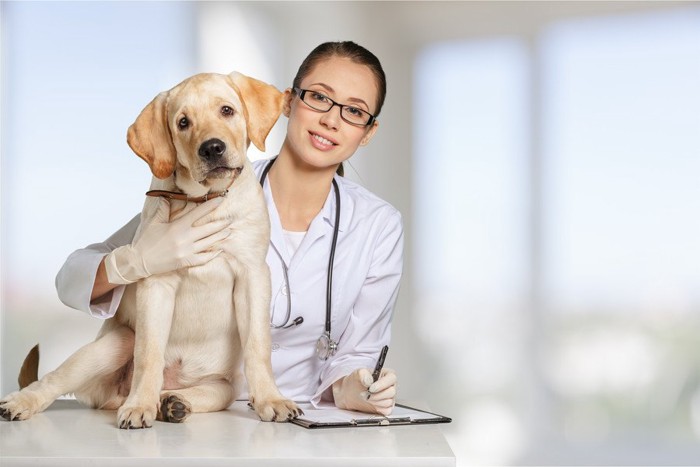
(199, 199)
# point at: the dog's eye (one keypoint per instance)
(227, 111)
(183, 123)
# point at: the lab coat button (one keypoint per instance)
(275, 347)
(284, 290)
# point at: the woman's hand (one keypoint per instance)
(357, 391)
(166, 246)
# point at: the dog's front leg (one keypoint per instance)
(251, 297)
(155, 304)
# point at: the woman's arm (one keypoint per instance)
(92, 279)
(79, 281)
(369, 328)
(102, 285)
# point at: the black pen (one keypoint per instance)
(380, 363)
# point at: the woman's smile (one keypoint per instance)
(322, 143)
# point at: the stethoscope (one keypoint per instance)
(326, 347)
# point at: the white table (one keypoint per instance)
(69, 434)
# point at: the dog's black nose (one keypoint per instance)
(212, 149)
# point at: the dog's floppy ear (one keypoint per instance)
(262, 104)
(149, 137)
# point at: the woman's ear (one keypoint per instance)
(369, 133)
(287, 102)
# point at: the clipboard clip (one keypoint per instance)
(384, 421)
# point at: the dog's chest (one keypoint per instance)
(204, 301)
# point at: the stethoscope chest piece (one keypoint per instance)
(326, 347)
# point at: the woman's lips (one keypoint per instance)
(322, 143)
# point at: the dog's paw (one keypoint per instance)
(276, 410)
(173, 408)
(19, 406)
(136, 416)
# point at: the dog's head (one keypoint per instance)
(201, 128)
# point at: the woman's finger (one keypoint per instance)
(387, 379)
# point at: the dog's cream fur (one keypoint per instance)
(178, 339)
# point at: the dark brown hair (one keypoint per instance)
(345, 49)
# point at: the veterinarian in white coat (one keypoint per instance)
(332, 107)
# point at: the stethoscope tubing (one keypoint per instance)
(331, 258)
(285, 273)
(329, 280)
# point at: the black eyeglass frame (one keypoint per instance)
(302, 92)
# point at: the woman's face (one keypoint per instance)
(324, 139)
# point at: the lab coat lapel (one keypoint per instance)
(276, 231)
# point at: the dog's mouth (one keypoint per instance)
(220, 172)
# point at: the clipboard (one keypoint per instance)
(332, 417)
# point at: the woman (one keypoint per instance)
(332, 107)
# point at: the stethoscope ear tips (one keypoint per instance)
(297, 321)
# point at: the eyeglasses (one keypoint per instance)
(351, 114)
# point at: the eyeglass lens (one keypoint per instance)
(349, 113)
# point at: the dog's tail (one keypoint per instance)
(30, 368)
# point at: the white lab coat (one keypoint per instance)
(367, 269)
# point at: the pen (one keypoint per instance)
(380, 363)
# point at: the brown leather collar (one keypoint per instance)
(199, 199)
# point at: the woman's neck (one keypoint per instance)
(299, 192)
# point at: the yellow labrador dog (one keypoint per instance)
(177, 341)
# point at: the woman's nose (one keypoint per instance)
(332, 118)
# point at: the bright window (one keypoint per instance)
(622, 227)
(557, 240)
(470, 248)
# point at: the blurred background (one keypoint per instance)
(545, 157)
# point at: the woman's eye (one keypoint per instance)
(183, 123)
(227, 111)
(318, 97)
(354, 111)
